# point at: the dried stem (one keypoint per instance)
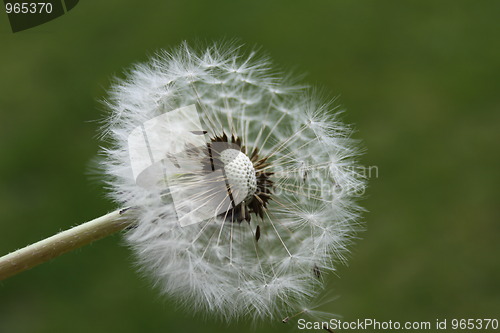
(65, 241)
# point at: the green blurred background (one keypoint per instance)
(419, 79)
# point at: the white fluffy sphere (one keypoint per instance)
(286, 149)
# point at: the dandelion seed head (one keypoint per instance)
(278, 148)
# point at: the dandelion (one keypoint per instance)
(242, 184)
(284, 150)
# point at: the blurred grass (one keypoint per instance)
(420, 80)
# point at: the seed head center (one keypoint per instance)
(240, 173)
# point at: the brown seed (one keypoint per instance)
(257, 233)
(316, 271)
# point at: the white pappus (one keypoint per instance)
(286, 150)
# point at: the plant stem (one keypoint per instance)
(65, 241)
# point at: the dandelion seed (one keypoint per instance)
(283, 151)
